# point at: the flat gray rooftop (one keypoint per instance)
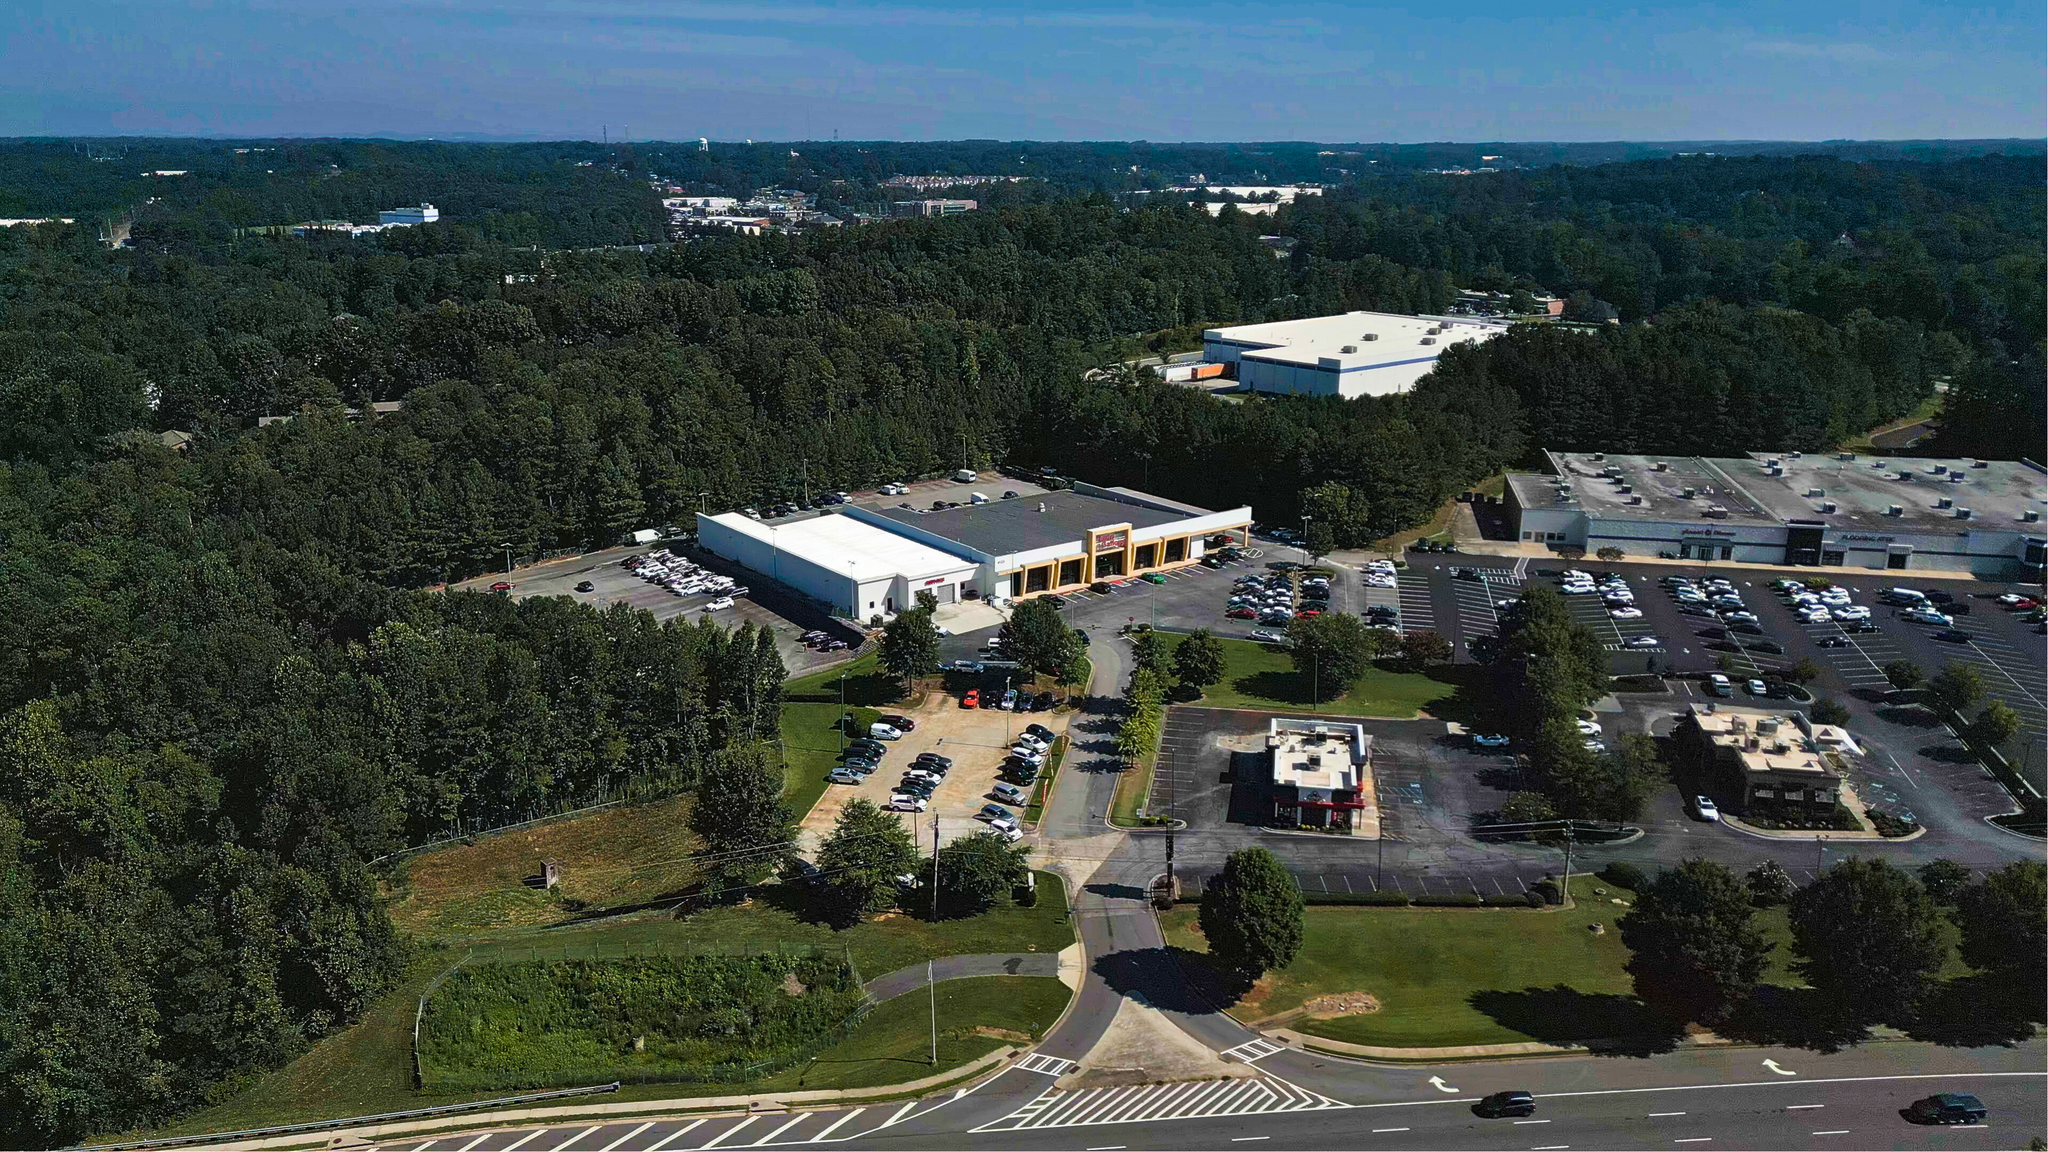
(1004, 526)
(1864, 489)
(1613, 487)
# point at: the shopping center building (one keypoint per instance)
(862, 562)
(1830, 510)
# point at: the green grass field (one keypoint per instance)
(810, 717)
(1260, 676)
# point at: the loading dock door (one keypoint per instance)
(946, 592)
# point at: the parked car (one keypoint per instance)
(1642, 642)
(905, 802)
(1954, 636)
(885, 732)
(1008, 793)
(1043, 702)
(971, 698)
(843, 776)
(1242, 614)
(1489, 740)
(1719, 685)
(1268, 636)
(502, 586)
(1766, 645)
(1626, 613)
(585, 586)
(900, 723)
(719, 605)
(992, 812)
(1832, 642)
(1703, 807)
(933, 758)
(1153, 578)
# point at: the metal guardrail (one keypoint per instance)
(358, 1121)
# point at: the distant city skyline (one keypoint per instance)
(652, 69)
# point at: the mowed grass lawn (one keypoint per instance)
(620, 856)
(1456, 976)
(1260, 676)
(810, 724)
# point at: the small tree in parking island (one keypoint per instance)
(1904, 675)
(1944, 880)
(1805, 671)
(1769, 884)
(1610, 552)
(1996, 724)
(864, 854)
(1037, 637)
(1870, 939)
(1423, 647)
(910, 645)
(1695, 949)
(1252, 914)
(978, 872)
(1198, 661)
(1828, 710)
(1957, 685)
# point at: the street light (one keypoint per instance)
(508, 558)
(702, 499)
(1304, 539)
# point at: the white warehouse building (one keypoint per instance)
(1351, 355)
(855, 568)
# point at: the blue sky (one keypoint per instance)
(789, 69)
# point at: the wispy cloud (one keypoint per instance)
(1845, 52)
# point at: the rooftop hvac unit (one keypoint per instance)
(1370, 336)
(1799, 455)
(1773, 462)
(1845, 455)
(1434, 331)
(1777, 469)
(1944, 502)
(1827, 505)
(1955, 477)
(1877, 464)
(1428, 340)
(1689, 493)
(1635, 499)
(1902, 476)
(1962, 513)
(1349, 348)
(1663, 465)
(1626, 488)
(1938, 469)
(1816, 491)
(2030, 515)
(1599, 455)
(1895, 510)
(1980, 463)
(1717, 512)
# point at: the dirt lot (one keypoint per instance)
(975, 739)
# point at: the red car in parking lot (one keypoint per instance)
(1242, 614)
(502, 586)
(972, 699)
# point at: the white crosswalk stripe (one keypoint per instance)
(1137, 1105)
(1252, 1050)
(1050, 1065)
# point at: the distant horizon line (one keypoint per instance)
(484, 138)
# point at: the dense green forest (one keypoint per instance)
(221, 692)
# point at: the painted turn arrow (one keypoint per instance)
(1773, 1066)
(1443, 1087)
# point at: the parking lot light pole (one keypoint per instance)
(842, 712)
(508, 558)
(703, 501)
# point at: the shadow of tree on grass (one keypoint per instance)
(1978, 1011)
(1794, 1018)
(1605, 1023)
(1173, 978)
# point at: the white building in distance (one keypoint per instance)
(1351, 355)
(424, 214)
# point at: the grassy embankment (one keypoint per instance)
(1926, 410)
(1260, 676)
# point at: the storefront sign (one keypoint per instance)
(935, 580)
(1866, 537)
(1721, 532)
(1111, 541)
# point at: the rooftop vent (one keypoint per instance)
(1980, 463)
(1663, 465)
(1895, 510)
(1717, 512)
(1041, 505)
(1955, 477)
(1962, 513)
(1428, 340)
(1689, 493)
(1370, 336)
(1349, 348)
(2030, 515)
(1827, 505)
(1798, 455)
(1938, 469)
(1845, 455)
(1816, 491)
(1944, 502)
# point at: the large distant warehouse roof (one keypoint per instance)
(1019, 525)
(1353, 340)
(844, 545)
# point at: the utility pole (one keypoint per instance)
(929, 983)
(842, 714)
(1567, 863)
(508, 558)
(1304, 539)
(703, 499)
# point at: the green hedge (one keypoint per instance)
(1370, 899)
(649, 1019)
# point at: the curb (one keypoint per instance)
(1829, 835)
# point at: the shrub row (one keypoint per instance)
(1401, 900)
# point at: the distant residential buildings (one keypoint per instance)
(927, 183)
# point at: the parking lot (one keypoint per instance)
(976, 739)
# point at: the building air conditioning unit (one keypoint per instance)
(1938, 469)
(1811, 492)
(1689, 493)
(1895, 510)
(1370, 336)
(2030, 516)
(1902, 476)
(1635, 499)
(1349, 348)
(1845, 455)
(1717, 512)
(1955, 477)
(1944, 502)
(1827, 505)
(1599, 455)
(1663, 465)
(1799, 456)
(1962, 513)
(1428, 340)
(1980, 463)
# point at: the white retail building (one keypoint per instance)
(1351, 355)
(857, 569)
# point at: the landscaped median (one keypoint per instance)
(1262, 677)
